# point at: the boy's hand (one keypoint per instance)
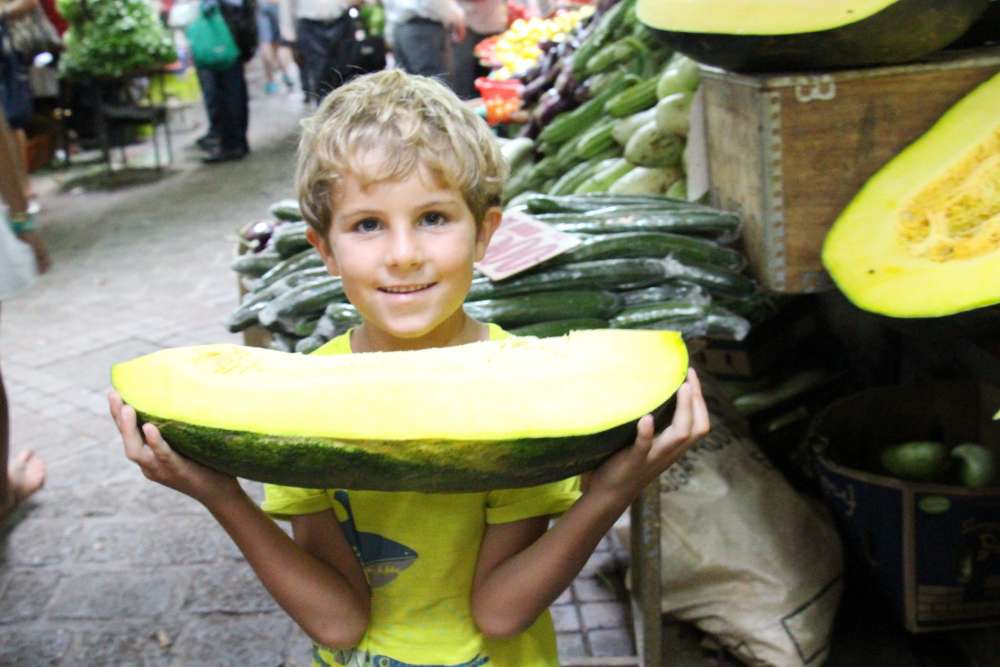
(627, 472)
(159, 463)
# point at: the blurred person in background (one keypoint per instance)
(420, 34)
(15, 89)
(273, 53)
(483, 18)
(23, 475)
(325, 38)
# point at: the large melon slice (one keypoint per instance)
(922, 237)
(496, 414)
(775, 35)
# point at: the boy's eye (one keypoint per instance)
(432, 218)
(367, 225)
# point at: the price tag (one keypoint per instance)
(520, 243)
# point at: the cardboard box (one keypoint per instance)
(789, 151)
(932, 548)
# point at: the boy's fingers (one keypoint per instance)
(156, 442)
(701, 422)
(131, 437)
(680, 427)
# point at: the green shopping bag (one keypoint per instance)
(212, 44)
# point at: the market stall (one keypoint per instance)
(739, 179)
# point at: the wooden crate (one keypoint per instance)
(789, 151)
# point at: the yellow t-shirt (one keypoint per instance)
(419, 554)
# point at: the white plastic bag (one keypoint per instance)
(17, 263)
(744, 557)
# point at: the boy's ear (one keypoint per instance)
(322, 246)
(486, 230)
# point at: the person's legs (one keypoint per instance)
(209, 95)
(18, 478)
(420, 48)
(464, 65)
(340, 51)
(233, 115)
(312, 51)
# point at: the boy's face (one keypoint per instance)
(405, 250)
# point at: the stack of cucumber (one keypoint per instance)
(644, 262)
(623, 103)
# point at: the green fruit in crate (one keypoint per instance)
(922, 237)
(497, 414)
(977, 467)
(780, 35)
(917, 461)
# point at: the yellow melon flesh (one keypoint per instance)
(922, 238)
(753, 17)
(583, 383)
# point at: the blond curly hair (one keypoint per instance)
(386, 126)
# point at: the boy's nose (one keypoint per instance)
(404, 249)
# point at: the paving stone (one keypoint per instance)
(233, 641)
(600, 561)
(231, 588)
(25, 594)
(146, 645)
(33, 647)
(594, 589)
(612, 642)
(37, 542)
(110, 595)
(299, 653)
(601, 615)
(571, 645)
(91, 369)
(565, 617)
(60, 502)
(148, 542)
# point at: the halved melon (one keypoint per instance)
(922, 237)
(497, 414)
(774, 35)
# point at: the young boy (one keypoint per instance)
(400, 184)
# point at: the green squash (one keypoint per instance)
(922, 237)
(497, 414)
(775, 35)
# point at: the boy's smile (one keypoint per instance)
(405, 252)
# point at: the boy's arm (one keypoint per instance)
(316, 578)
(523, 568)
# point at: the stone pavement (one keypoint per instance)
(103, 567)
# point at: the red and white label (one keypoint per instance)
(520, 243)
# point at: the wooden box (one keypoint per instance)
(789, 151)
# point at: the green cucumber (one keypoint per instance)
(578, 174)
(290, 239)
(608, 173)
(570, 124)
(244, 317)
(606, 26)
(637, 97)
(517, 152)
(647, 180)
(255, 263)
(297, 326)
(916, 461)
(668, 291)
(624, 128)
(309, 344)
(286, 209)
(283, 342)
(307, 258)
(559, 327)
(635, 316)
(787, 388)
(723, 324)
(649, 146)
(673, 113)
(652, 244)
(715, 279)
(546, 306)
(584, 203)
(595, 141)
(611, 55)
(690, 221)
(309, 297)
(603, 274)
(977, 467)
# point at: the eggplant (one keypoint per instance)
(551, 105)
(543, 82)
(566, 83)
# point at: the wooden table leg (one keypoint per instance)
(646, 585)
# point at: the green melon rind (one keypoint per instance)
(414, 465)
(902, 32)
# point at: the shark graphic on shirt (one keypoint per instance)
(383, 559)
